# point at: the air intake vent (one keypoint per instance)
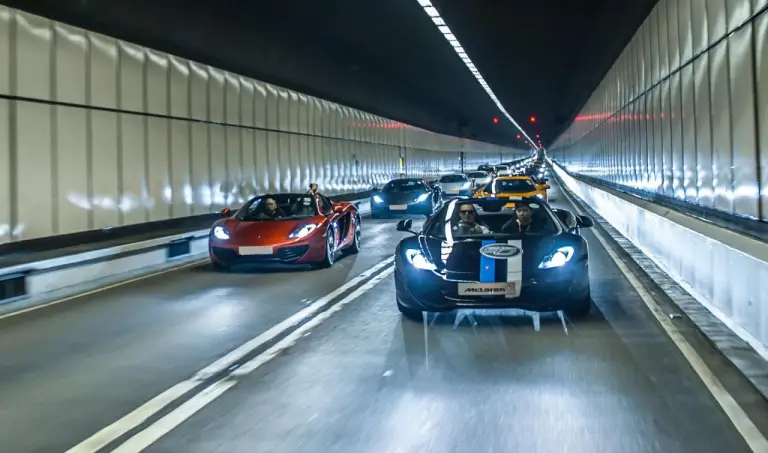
(12, 286)
(179, 247)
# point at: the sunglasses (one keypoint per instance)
(467, 212)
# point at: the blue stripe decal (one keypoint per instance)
(487, 266)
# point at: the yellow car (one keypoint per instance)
(513, 186)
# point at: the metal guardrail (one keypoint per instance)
(38, 277)
(754, 228)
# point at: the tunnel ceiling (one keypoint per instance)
(541, 58)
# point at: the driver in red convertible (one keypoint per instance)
(270, 210)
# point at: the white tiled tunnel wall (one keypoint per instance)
(96, 133)
(684, 110)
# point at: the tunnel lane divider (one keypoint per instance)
(739, 418)
(39, 284)
(147, 423)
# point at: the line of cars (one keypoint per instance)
(498, 246)
(503, 247)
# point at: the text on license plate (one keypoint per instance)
(256, 250)
(487, 289)
(398, 207)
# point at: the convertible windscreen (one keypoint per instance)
(404, 185)
(289, 207)
(513, 186)
(494, 217)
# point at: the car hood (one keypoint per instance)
(462, 260)
(266, 232)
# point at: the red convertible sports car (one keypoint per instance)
(287, 228)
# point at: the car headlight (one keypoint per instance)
(558, 258)
(417, 259)
(466, 185)
(303, 231)
(220, 233)
(377, 199)
(539, 195)
(422, 197)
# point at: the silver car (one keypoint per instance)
(454, 185)
(481, 178)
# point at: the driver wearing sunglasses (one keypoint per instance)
(468, 223)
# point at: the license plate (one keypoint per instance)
(398, 207)
(452, 191)
(253, 250)
(487, 289)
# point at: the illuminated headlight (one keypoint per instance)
(303, 231)
(417, 259)
(557, 259)
(377, 199)
(422, 197)
(466, 185)
(220, 233)
(539, 195)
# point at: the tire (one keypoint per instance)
(330, 255)
(220, 267)
(413, 315)
(579, 308)
(355, 247)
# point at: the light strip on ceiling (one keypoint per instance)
(449, 36)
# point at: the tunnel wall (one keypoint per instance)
(684, 110)
(98, 133)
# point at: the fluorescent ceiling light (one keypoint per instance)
(453, 41)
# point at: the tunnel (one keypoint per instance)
(150, 300)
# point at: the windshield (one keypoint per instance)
(512, 186)
(453, 178)
(405, 185)
(493, 217)
(279, 207)
(477, 175)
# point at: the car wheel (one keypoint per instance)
(580, 307)
(413, 315)
(220, 267)
(355, 247)
(330, 254)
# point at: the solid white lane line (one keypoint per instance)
(196, 262)
(753, 437)
(151, 407)
(170, 421)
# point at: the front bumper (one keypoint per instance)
(384, 210)
(458, 194)
(548, 290)
(287, 254)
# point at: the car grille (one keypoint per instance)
(286, 255)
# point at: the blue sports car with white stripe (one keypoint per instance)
(494, 253)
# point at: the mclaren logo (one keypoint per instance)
(500, 251)
(486, 290)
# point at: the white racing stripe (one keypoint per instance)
(170, 421)
(151, 407)
(751, 434)
(515, 268)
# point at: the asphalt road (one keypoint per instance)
(362, 379)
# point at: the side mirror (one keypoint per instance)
(338, 208)
(547, 186)
(405, 225)
(584, 221)
(226, 212)
(374, 189)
